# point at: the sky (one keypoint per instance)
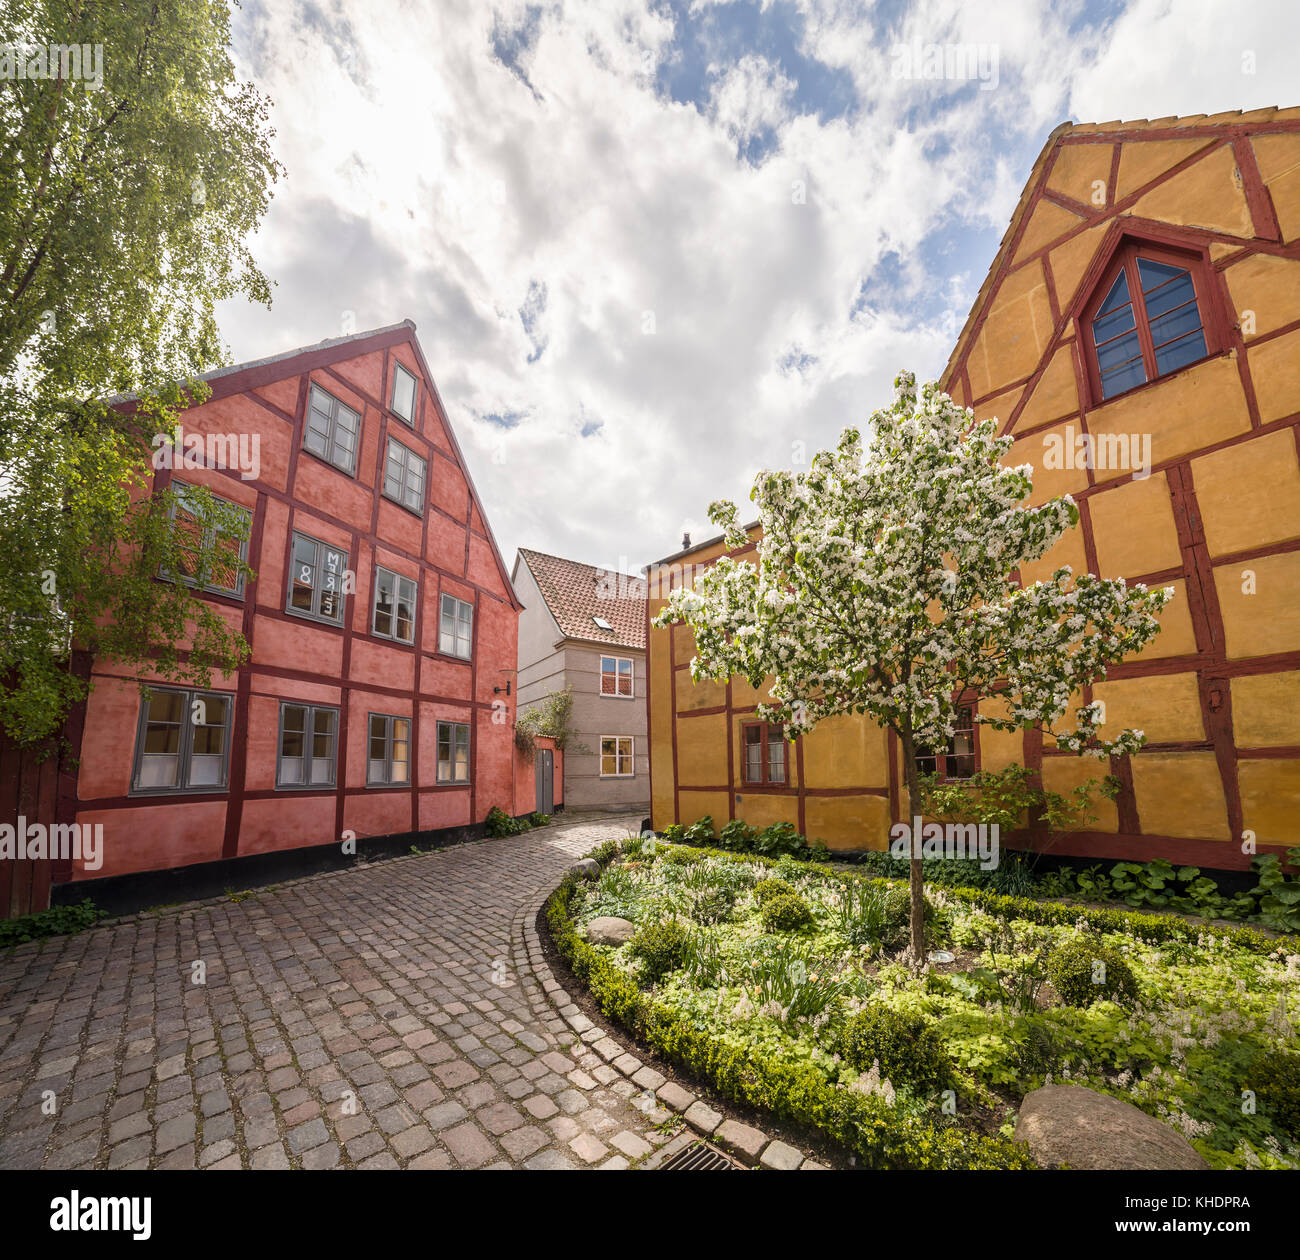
(654, 246)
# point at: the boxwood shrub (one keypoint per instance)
(862, 1124)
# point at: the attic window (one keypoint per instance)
(403, 394)
(602, 624)
(1147, 319)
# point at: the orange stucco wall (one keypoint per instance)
(1218, 519)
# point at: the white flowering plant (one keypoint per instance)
(888, 584)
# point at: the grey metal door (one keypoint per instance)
(545, 769)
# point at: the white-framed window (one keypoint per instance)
(308, 746)
(453, 752)
(332, 430)
(183, 742)
(394, 611)
(226, 577)
(316, 579)
(616, 676)
(455, 627)
(404, 394)
(404, 476)
(388, 751)
(616, 757)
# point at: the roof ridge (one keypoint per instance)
(595, 568)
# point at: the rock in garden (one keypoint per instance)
(1068, 1124)
(588, 868)
(608, 930)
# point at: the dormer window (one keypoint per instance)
(1147, 319)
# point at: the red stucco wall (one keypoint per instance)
(446, 549)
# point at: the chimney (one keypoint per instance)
(686, 542)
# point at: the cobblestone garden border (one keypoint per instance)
(864, 1127)
(560, 1014)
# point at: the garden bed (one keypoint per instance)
(791, 997)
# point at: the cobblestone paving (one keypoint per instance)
(381, 1017)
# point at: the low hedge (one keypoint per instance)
(863, 1124)
(1139, 923)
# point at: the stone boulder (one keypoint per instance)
(608, 930)
(588, 868)
(1072, 1125)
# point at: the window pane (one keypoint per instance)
(166, 706)
(384, 603)
(304, 582)
(1179, 353)
(161, 738)
(158, 771)
(1117, 296)
(205, 771)
(1176, 293)
(1104, 327)
(1119, 351)
(1178, 323)
(403, 393)
(1122, 378)
(775, 755)
(1153, 274)
(291, 769)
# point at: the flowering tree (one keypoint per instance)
(887, 585)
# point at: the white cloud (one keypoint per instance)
(428, 179)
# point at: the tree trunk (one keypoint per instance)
(917, 885)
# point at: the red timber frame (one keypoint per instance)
(1224, 338)
(320, 365)
(1213, 668)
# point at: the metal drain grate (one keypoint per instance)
(699, 1157)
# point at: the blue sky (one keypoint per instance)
(652, 247)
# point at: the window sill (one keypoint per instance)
(387, 638)
(388, 498)
(185, 792)
(319, 621)
(1099, 404)
(320, 459)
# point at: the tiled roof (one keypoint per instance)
(576, 593)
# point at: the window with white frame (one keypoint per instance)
(227, 550)
(394, 612)
(404, 394)
(404, 474)
(615, 676)
(331, 430)
(316, 579)
(453, 752)
(616, 757)
(308, 738)
(388, 753)
(183, 742)
(456, 627)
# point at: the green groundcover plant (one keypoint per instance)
(822, 1021)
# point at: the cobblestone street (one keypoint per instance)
(382, 1017)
